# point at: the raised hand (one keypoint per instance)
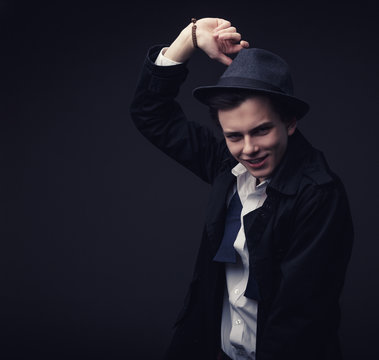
(216, 37)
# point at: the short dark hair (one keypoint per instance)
(229, 99)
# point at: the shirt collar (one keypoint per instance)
(240, 170)
(300, 160)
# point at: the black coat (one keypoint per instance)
(299, 241)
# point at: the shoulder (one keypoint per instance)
(317, 177)
(303, 167)
(321, 198)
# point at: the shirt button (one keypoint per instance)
(238, 322)
(236, 291)
(240, 352)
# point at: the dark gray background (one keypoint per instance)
(82, 274)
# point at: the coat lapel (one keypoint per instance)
(216, 213)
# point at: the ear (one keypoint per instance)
(291, 127)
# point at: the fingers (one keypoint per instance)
(233, 37)
(245, 44)
(231, 49)
(226, 60)
(230, 34)
(234, 49)
(230, 43)
(229, 29)
(218, 38)
(222, 24)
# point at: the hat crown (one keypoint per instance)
(261, 65)
(260, 71)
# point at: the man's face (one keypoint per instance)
(255, 135)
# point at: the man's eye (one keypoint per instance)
(233, 137)
(263, 131)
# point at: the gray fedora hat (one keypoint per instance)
(260, 71)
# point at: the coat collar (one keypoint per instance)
(299, 160)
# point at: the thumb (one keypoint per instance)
(222, 58)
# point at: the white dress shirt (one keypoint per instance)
(239, 314)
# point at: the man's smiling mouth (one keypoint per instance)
(255, 161)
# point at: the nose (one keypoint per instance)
(249, 146)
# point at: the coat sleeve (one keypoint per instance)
(304, 316)
(159, 117)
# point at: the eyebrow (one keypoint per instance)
(251, 131)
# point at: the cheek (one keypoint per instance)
(279, 147)
(234, 148)
(276, 143)
(269, 142)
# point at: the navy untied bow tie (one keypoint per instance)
(226, 251)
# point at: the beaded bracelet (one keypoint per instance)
(194, 27)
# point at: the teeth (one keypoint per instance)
(255, 161)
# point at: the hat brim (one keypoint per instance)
(299, 107)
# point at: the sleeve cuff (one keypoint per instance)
(164, 61)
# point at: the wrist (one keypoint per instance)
(182, 48)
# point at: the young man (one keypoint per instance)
(278, 231)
